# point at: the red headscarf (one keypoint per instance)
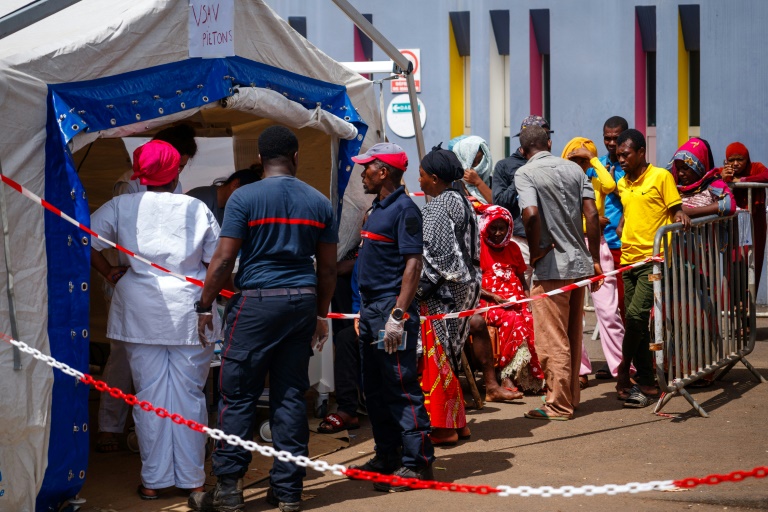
(155, 163)
(736, 148)
(489, 213)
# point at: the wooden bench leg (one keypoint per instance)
(471, 380)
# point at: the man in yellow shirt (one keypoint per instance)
(650, 200)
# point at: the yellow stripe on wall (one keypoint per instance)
(683, 86)
(456, 83)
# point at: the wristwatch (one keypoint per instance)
(398, 314)
(201, 309)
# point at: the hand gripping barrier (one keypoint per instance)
(341, 470)
(703, 313)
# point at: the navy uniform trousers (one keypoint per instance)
(393, 395)
(267, 335)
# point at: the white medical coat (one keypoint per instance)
(178, 233)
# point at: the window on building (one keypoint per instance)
(694, 83)
(459, 72)
(363, 46)
(499, 98)
(689, 72)
(650, 88)
(540, 70)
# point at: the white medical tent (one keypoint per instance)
(74, 82)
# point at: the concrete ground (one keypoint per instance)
(604, 444)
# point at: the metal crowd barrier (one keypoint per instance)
(749, 186)
(704, 311)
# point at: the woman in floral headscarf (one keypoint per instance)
(702, 188)
(503, 280)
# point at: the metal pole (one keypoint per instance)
(9, 277)
(31, 14)
(399, 59)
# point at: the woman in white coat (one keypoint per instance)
(153, 313)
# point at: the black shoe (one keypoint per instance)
(227, 496)
(424, 473)
(385, 466)
(283, 506)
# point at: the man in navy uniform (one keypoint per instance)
(277, 224)
(389, 264)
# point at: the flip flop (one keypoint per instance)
(637, 399)
(141, 491)
(333, 423)
(541, 414)
(603, 373)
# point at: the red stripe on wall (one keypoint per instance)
(641, 120)
(280, 220)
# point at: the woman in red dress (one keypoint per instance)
(502, 265)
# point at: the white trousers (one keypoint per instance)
(117, 373)
(172, 377)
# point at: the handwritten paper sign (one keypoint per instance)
(211, 28)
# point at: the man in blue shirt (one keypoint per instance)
(389, 264)
(613, 209)
(278, 225)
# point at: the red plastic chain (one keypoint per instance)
(131, 400)
(413, 483)
(735, 476)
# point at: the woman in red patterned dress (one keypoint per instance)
(502, 265)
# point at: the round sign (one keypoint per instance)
(399, 117)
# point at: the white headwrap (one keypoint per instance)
(466, 149)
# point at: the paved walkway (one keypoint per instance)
(603, 444)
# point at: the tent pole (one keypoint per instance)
(9, 277)
(31, 14)
(399, 59)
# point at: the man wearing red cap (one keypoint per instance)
(389, 264)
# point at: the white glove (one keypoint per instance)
(393, 334)
(321, 334)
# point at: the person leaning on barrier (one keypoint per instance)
(739, 168)
(277, 224)
(650, 200)
(389, 266)
(554, 194)
(701, 188)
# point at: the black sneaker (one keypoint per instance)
(424, 473)
(385, 466)
(283, 506)
(227, 496)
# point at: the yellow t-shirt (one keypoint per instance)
(646, 203)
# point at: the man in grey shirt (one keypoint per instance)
(554, 195)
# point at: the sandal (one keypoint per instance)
(541, 414)
(333, 423)
(583, 382)
(603, 373)
(637, 399)
(146, 494)
(444, 437)
(107, 443)
(464, 433)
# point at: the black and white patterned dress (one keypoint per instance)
(451, 252)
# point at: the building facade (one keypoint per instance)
(672, 68)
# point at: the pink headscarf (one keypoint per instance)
(155, 163)
(489, 213)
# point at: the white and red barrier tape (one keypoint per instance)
(48, 206)
(341, 470)
(226, 293)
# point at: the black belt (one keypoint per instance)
(279, 292)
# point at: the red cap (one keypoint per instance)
(387, 152)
